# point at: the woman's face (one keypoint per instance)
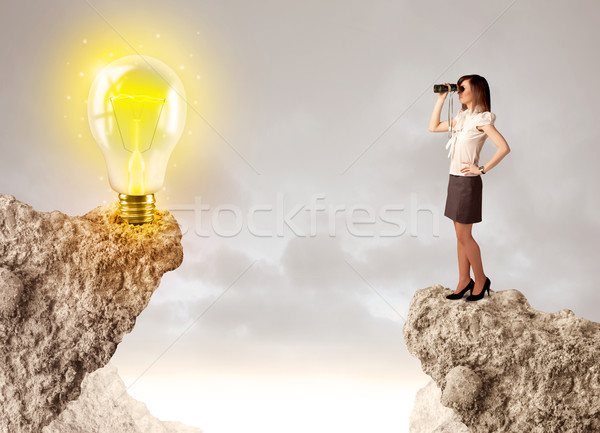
(465, 96)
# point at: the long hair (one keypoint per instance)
(480, 91)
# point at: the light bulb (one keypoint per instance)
(136, 111)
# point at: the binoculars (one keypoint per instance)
(443, 88)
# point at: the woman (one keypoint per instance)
(471, 126)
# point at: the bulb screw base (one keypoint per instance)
(136, 209)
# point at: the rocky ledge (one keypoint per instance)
(429, 415)
(105, 406)
(70, 289)
(503, 366)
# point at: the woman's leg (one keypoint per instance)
(473, 253)
(464, 266)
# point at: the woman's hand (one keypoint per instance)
(442, 96)
(470, 168)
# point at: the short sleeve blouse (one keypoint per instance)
(467, 141)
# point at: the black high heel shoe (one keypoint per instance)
(460, 294)
(486, 286)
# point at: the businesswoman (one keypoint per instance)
(470, 129)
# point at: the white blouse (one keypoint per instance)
(467, 140)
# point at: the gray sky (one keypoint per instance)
(291, 101)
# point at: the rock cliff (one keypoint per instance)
(104, 406)
(70, 289)
(503, 366)
(429, 415)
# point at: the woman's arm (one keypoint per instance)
(434, 122)
(500, 143)
(502, 151)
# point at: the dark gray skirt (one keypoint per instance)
(463, 203)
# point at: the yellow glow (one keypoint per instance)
(137, 119)
(136, 173)
(136, 111)
(69, 56)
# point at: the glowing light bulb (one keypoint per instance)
(136, 111)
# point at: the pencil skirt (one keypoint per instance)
(463, 203)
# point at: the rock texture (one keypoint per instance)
(70, 288)
(505, 367)
(104, 406)
(429, 415)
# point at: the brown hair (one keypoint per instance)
(480, 90)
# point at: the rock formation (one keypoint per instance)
(70, 288)
(505, 367)
(104, 406)
(429, 415)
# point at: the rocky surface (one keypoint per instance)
(70, 288)
(104, 406)
(505, 367)
(429, 415)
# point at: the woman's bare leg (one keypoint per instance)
(471, 249)
(464, 266)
